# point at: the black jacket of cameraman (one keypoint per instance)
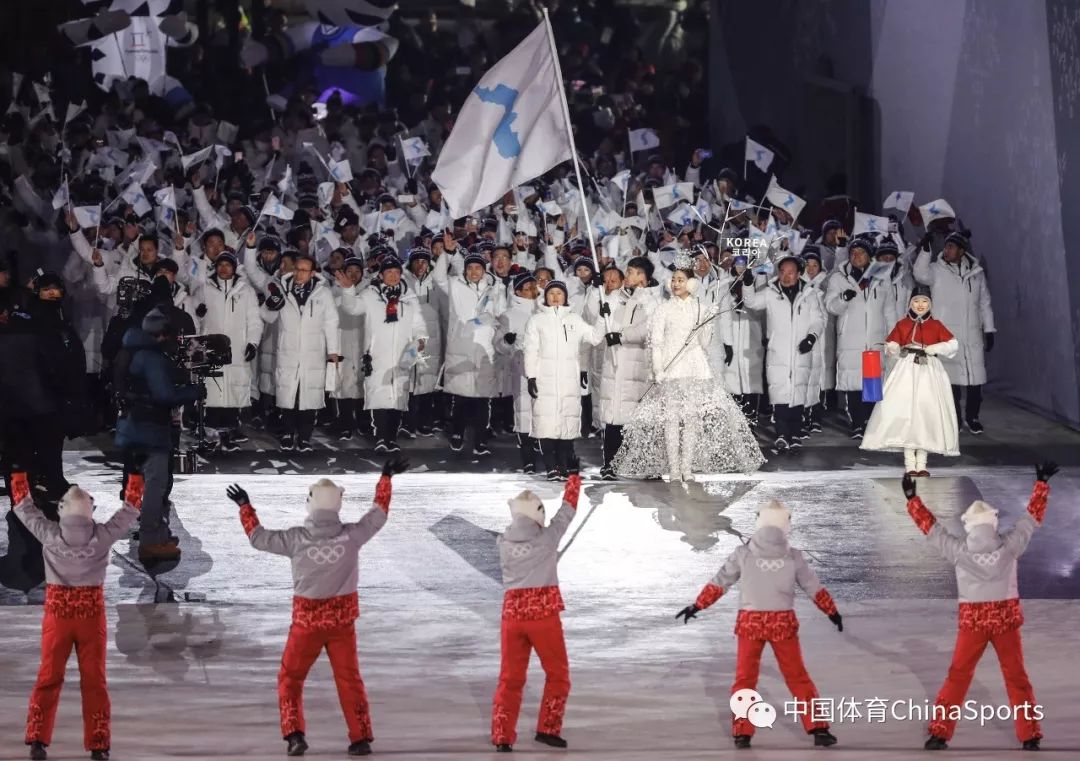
(153, 385)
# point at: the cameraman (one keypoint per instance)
(151, 386)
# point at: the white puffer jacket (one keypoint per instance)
(823, 370)
(348, 383)
(556, 342)
(433, 313)
(627, 370)
(514, 320)
(470, 336)
(788, 323)
(232, 309)
(305, 337)
(861, 324)
(387, 388)
(961, 299)
(741, 329)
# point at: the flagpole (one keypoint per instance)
(570, 135)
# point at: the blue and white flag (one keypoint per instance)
(899, 200)
(784, 199)
(166, 201)
(622, 179)
(61, 198)
(413, 149)
(340, 171)
(197, 157)
(134, 197)
(938, 209)
(88, 216)
(510, 129)
(758, 155)
(550, 208)
(870, 223)
(644, 139)
(682, 215)
(275, 208)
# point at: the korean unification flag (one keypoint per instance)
(340, 171)
(134, 197)
(509, 131)
(870, 223)
(899, 200)
(938, 209)
(622, 179)
(758, 155)
(197, 157)
(62, 197)
(784, 199)
(644, 139)
(413, 149)
(682, 215)
(166, 201)
(88, 216)
(275, 208)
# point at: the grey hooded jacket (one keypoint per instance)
(768, 568)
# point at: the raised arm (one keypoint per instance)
(949, 546)
(124, 518)
(922, 271)
(724, 579)
(568, 509)
(375, 518)
(274, 542)
(1017, 538)
(26, 511)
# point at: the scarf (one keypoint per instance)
(302, 292)
(791, 291)
(392, 295)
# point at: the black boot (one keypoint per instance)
(360, 748)
(553, 740)
(823, 738)
(37, 751)
(742, 741)
(99, 755)
(503, 748)
(935, 743)
(1032, 744)
(297, 744)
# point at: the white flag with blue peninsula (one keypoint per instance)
(509, 131)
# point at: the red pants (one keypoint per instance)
(301, 650)
(58, 636)
(789, 659)
(519, 639)
(969, 648)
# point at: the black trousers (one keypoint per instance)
(471, 411)
(346, 413)
(298, 421)
(586, 415)
(788, 420)
(421, 412)
(557, 453)
(386, 424)
(527, 446)
(227, 418)
(612, 442)
(502, 414)
(36, 444)
(973, 403)
(858, 410)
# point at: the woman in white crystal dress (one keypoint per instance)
(687, 421)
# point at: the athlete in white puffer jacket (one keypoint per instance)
(510, 344)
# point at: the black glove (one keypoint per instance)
(729, 354)
(395, 465)
(596, 281)
(605, 309)
(510, 338)
(250, 351)
(261, 298)
(584, 380)
(573, 465)
(200, 311)
(276, 299)
(908, 485)
(237, 495)
(748, 278)
(533, 391)
(613, 339)
(988, 341)
(924, 242)
(837, 619)
(690, 611)
(365, 365)
(848, 295)
(1046, 470)
(807, 344)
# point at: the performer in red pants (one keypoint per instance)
(528, 553)
(325, 603)
(770, 568)
(76, 552)
(990, 613)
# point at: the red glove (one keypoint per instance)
(20, 486)
(133, 494)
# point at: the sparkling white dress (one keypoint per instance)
(688, 421)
